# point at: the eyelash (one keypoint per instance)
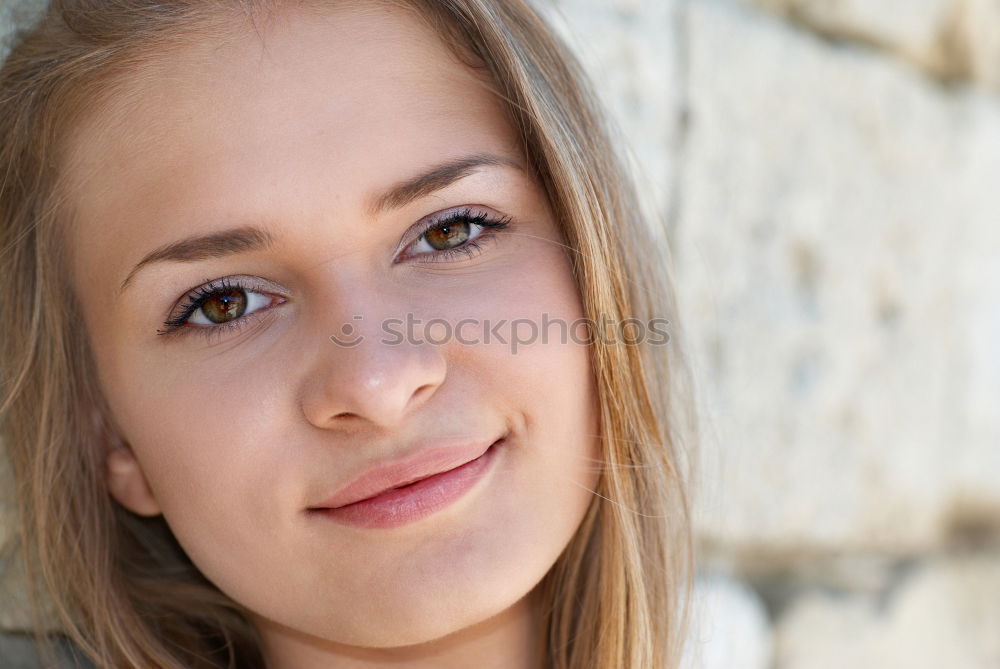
(196, 298)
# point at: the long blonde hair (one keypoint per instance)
(119, 585)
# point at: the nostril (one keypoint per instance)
(424, 390)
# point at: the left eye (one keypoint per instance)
(227, 305)
(460, 232)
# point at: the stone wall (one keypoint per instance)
(827, 173)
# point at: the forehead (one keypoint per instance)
(343, 101)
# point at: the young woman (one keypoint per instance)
(294, 372)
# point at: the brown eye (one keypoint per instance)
(447, 235)
(223, 307)
(457, 233)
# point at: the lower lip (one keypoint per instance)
(402, 506)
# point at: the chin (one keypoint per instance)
(416, 623)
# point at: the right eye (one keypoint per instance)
(220, 305)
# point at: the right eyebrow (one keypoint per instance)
(243, 239)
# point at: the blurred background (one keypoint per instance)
(827, 175)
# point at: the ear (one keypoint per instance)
(123, 474)
(128, 484)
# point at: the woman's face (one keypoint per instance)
(337, 139)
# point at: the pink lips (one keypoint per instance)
(405, 491)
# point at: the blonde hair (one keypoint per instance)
(119, 585)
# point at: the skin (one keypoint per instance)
(296, 129)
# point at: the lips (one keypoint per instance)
(423, 462)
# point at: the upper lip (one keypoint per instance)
(419, 463)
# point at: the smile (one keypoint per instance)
(411, 502)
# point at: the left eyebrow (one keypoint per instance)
(246, 239)
(438, 177)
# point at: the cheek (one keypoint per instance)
(540, 496)
(207, 439)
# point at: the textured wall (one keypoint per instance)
(826, 172)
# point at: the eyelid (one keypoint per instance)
(245, 281)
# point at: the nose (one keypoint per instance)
(362, 376)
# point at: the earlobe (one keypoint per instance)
(123, 475)
(127, 483)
